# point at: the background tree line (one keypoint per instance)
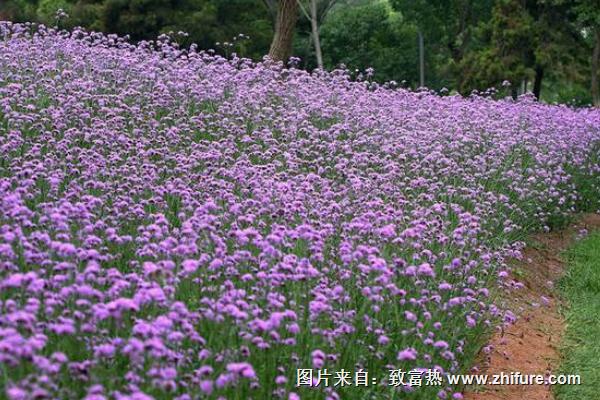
(548, 47)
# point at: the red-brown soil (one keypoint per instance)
(531, 345)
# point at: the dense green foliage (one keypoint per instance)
(524, 42)
(541, 46)
(448, 27)
(372, 35)
(206, 22)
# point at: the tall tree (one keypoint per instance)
(315, 32)
(557, 40)
(588, 19)
(447, 26)
(318, 10)
(285, 26)
(522, 41)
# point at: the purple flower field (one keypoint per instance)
(175, 225)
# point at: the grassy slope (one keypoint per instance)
(581, 289)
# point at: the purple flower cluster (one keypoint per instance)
(177, 225)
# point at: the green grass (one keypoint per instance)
(581, 349)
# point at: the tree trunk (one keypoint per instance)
(285, 24)
(537, 83)
(595, 65)
(315, 32)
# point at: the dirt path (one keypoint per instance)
(530, 346)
